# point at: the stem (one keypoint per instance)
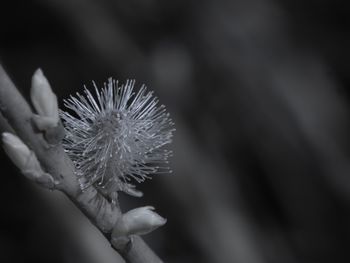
(17, 114)
(139, 252)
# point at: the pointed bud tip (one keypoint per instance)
(9, 138)
(38, 77)
(139, 221)
(5, 135)
(43, 98)
(38, 71)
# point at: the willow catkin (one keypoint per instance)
(117, 136)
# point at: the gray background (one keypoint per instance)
(259, 91)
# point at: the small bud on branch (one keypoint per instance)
(138, 221)
(25, 160)
(44, 102)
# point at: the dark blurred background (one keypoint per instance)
(259, 91)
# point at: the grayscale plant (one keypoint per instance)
(108, 140)
(117, 136)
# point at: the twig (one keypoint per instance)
(54, 161)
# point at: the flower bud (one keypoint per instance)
(138, 221)
(17, 151)
(26, 160)
(44, 100)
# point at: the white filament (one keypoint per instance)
(117, 136)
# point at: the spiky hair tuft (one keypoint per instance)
(116, 136)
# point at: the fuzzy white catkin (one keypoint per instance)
(116, 136)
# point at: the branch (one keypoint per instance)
(54, 161)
